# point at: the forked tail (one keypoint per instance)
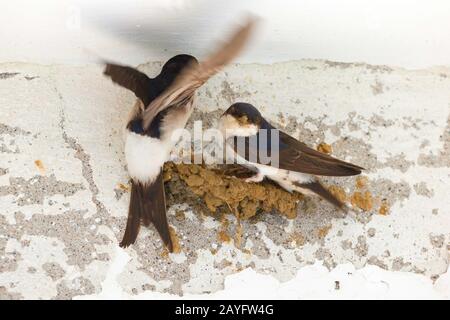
(317, 188)
(147, 205)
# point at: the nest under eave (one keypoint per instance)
(218, 187)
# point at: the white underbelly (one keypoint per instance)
(263, 169)
(145, 156)
(284, 178)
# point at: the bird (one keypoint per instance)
(147, 198)
(164, 105)
(297, 166)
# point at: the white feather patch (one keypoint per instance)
(145, 156)
(284, 178)
(230, 127)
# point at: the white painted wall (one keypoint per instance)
(408, 33)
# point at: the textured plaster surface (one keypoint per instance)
(63, 206)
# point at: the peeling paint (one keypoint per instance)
(36, 189)
(60, 230)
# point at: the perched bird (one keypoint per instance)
(164, 105)
(297, 165)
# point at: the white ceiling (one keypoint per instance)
(408, 33)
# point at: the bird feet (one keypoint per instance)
(256, 178)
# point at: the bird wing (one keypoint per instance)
(297, 156)
(131, 79)
(293, 156)
(195, 75)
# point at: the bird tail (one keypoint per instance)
(317, 188)
(147, 205)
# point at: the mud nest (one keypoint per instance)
(223, 188)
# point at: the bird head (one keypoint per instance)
(174, 65)
(240, 120)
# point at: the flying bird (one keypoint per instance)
(297, 165)
(164, 105)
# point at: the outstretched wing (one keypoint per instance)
(195, 75)
(131, 79)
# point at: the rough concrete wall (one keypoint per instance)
(62, 211)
